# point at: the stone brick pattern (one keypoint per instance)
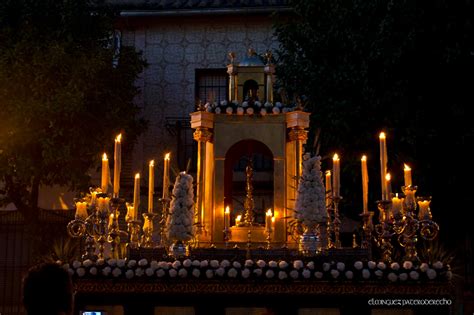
(174, 48)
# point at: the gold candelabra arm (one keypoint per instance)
(164, 217)
(337, 222)
(384, 230)
(134, 227)
(148, 229)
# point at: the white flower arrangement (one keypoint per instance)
(218, 110)
(403, 276)
(263, 112)
(438, 265)
(294, 274)
(392, 277)
(414, 275)
(250, 111)
(349, 274)
(310, 207)
(257, 107)
(240, 111)
(358, 265)
(276, 110)
(229, 110)
(407, 265)
(121, 263)
(292, 270)
(180, 221)
(282, 275)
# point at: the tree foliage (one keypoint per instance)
(63, 95)
(400, 66)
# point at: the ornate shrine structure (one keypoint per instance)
(243, 255)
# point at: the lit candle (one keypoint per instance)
(93, 198)
(105, 174)
(111, 220)
(166, 176)
(388, 186)
(81, 210)
(424, 211)
(136, 196)
(383, 164)
(151, 185)
(365, 184)
(226, 217)
(407, 173)
(328, 189)
(103, 204)
(237, 219)
(336, 176)
(268, 219)
(273, 223)
(396, 204)
(117, 164)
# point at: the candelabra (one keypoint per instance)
(227, 235)
(268, 232)
(114, 232)
(95, 227)
(134, 227)
(329, 229)
(368, 226)
(337, 222)
(408, 225)
(164, 217)
(148, 229)
(384, 229)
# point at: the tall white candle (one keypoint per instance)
(104, 184)
(268, 220)
(166, 176)
(117, 164)
(365, 184)
(136, 196)
(226, 217)
(424, 209)
(336, 176)
(407, 173)
(151, 185)
(383, 164)
(328, 189)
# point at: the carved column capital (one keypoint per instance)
(298, 134)
(202, 134)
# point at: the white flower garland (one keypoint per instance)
(278, 270)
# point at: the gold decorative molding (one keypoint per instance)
(232, 287)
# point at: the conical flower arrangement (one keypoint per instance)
(180, 221)
(310, 207)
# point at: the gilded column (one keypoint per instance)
(201, 135)
(270, 77)
(299, 136)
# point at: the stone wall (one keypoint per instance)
(174, 48)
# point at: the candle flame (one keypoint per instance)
(273, 219)
(227, 210)
(382, 135)
(239, 217)
(328, 173)
(104, 157)
(388, 177)
(335, 157)
(396, 195)
(269, 213)
(364, 158)
(137, 175)
(119, 138)
(167, 156)
(406, 167)
(152, 163)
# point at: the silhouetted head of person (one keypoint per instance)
(47, 289)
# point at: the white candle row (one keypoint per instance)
(136, 192)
